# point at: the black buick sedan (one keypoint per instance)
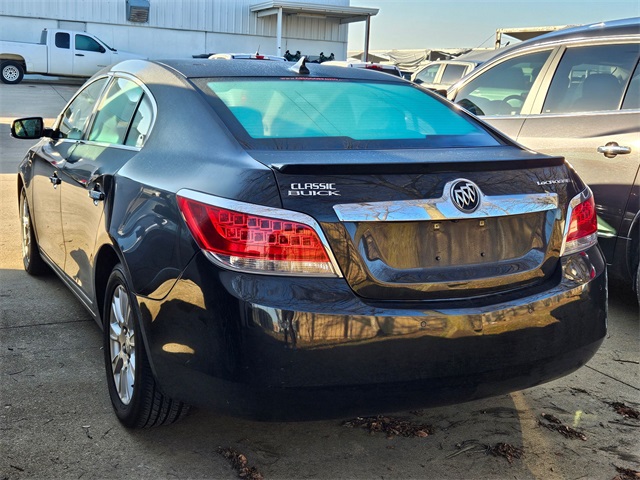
(289, 241)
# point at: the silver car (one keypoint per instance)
(443, 73)
(575, 92)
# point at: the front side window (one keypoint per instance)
(87, 44)
(116, 111)
(334, 111)
(428, 74)
(503, 89)
(75, 117)
(591, 78)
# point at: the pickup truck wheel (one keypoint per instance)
(12, 72)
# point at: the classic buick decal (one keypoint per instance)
(313, 189)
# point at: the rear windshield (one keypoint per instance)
(309, 113)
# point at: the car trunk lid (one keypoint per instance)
(392, 221)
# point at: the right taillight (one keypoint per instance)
(581, 232)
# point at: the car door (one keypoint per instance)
(60, 54)
(503, 93)
(45, 209)
(585, 117)
(47, 163)
(115, 136)
(89, 56)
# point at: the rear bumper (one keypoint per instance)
(282, 348)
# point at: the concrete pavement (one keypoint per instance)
(31, 98)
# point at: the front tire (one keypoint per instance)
(31, 258)
(11, 72)
(134, 394)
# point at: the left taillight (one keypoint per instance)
(582, 226)
(241, 240)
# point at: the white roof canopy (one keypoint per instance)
(525, 33)
(344, 14)
(315, 10)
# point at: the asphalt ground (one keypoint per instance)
(56, 419)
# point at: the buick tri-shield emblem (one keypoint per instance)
(465, 195)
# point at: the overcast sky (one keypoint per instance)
(467, 23)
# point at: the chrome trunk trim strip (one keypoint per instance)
(443, 208)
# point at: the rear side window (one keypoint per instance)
(632, 98)
(503, 89)
(357, 111)
(452, 73)
(116, 112)
(76, 116)
(141, 124)
(591, 78)
(62, 40)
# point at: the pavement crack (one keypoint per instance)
(45, 324)
(612, 378)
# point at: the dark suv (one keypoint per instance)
(575, 92)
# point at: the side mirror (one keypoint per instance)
(29, 128)
(102, 49)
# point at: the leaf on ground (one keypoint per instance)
(626, 474)
(240, 465)
(551, 419)
(554, 424)
(391, 426)
(505, 450)
(627, 412)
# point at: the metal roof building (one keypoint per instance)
(181, 28)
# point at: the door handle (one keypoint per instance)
(96, 195)
(55, 181)
(612, 149)
(79, 54)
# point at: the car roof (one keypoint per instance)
(357, 63)
(627, 26)
(611, 28)
(199, 68)
(245, 56)
(452, 61)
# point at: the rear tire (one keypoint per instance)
(135, 396)
(31, 258)
(11, 72)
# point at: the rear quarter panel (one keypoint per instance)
(189, 147)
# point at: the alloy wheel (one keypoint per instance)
(26, 232)
(122, 344)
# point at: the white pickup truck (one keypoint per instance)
(60, 53)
